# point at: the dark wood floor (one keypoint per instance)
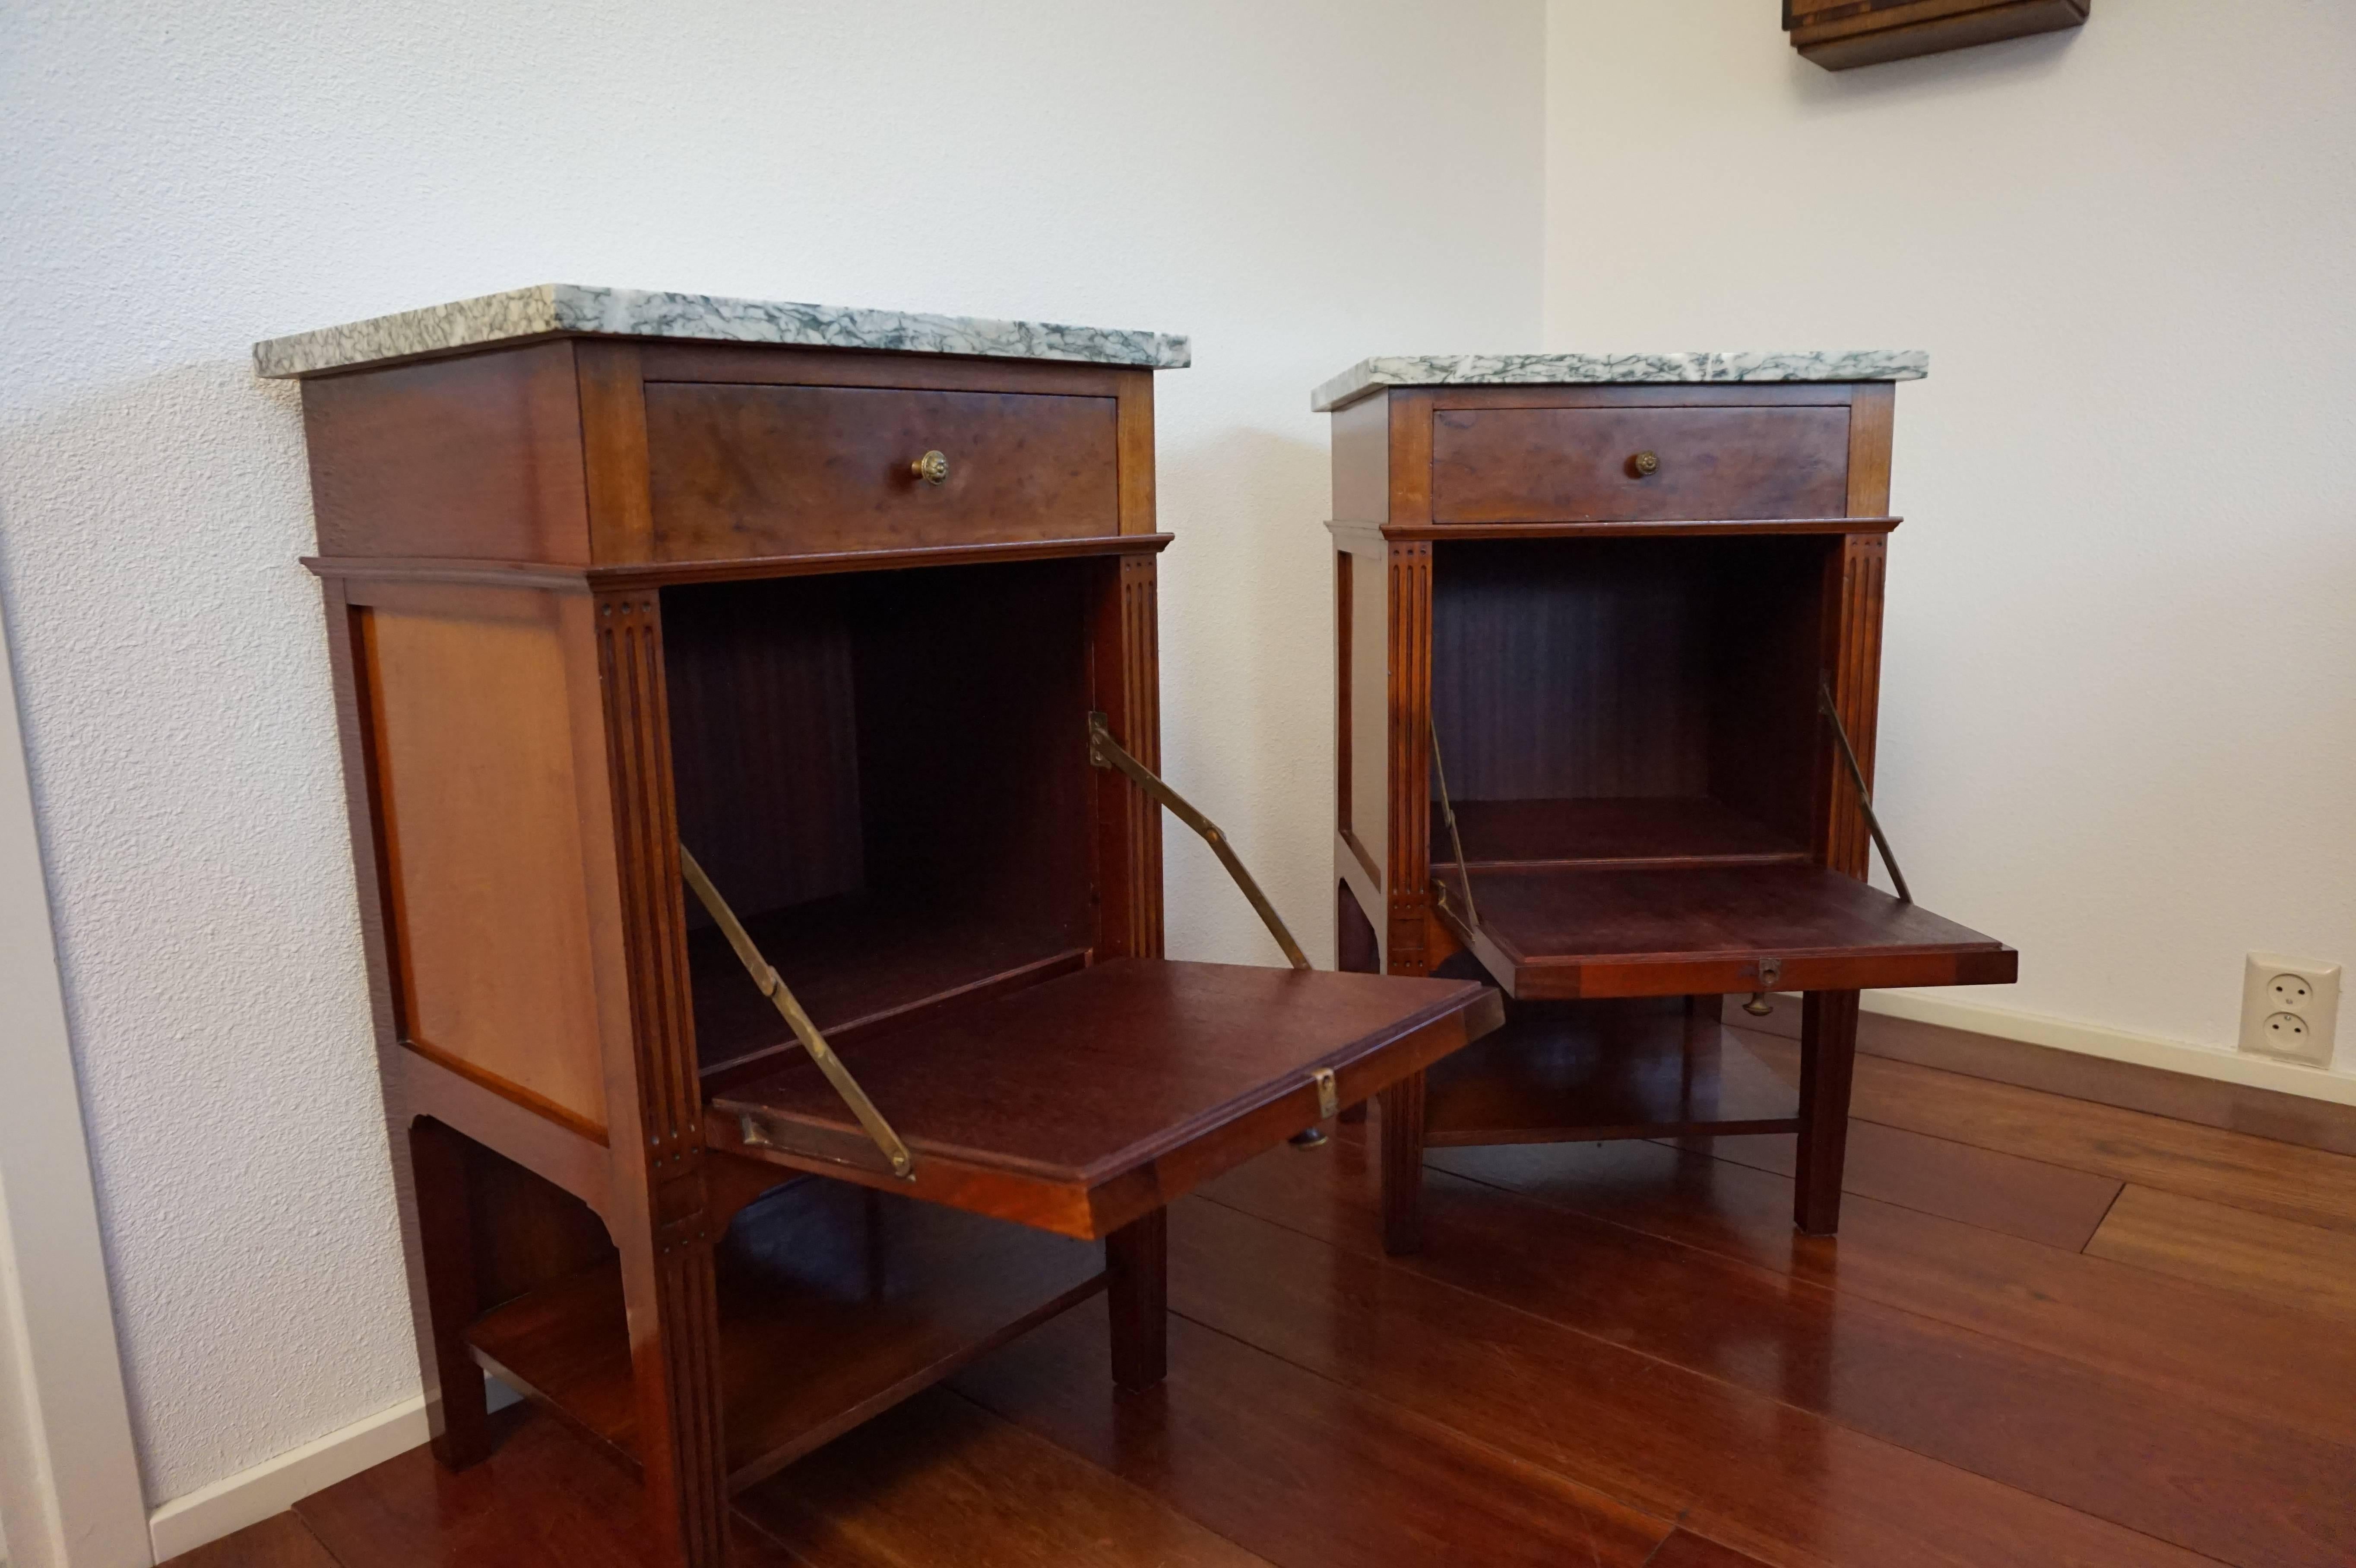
(2051, 1332)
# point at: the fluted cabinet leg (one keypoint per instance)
(1402, 1157)
(1827, 1065)
(1136, 1287)
(674, 1358)
(456, 1413)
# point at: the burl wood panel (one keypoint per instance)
(474, 458)
(1548, 464)
(483, 869)
(756, 471)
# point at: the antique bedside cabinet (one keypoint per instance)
(1609, 654)
(841, 623)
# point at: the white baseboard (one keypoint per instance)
(2119, 1045)
(272, 1487)
(275, 1484)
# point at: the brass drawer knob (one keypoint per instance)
(932, 468)
(1645, 465)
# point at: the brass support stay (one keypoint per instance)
(1104, 752)
(1864, 794)
(1448, 814)
(773, 985)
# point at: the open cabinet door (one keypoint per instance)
(1560, 932)
(1082, 1102)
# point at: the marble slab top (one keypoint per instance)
(1593, 369)
(551, 308)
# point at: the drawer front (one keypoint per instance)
(1530, 465)
(741, 471)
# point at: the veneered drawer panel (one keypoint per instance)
(741, 470)
(1530, 465)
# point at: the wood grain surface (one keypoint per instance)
(1604, 1353)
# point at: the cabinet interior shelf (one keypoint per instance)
(1644, 1068)
(835, 1303)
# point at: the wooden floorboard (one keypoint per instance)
(2188, 1340)
(2026, 1198)
(281, 1542)
(940, 1480)
(2290, 1264)
(1778, 1481)
(2242, 1171)
(2051, 1331)
(2038, 1423)
(1302, 1469)
(1686, 1549)
(545, 1497)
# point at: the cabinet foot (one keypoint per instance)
(1137, 1286)
(1402, 1157)
(1827, 1065)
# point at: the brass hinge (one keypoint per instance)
(773, 985)
(1104, 752)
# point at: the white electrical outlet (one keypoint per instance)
(2289, 1007)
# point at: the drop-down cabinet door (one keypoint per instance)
(1082, 1102)
(1555, 933)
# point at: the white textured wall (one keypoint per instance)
(1295, 182)
(2118, 718)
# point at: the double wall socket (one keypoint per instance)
(2289, 1007)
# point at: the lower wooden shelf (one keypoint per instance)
(1568, 1071)
(835, 1303)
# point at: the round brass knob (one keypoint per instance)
(1645, 464)
(1758, 1006)
(932, 468)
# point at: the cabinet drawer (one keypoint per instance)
(1581, 465)
(741, 470)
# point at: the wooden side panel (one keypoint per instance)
(475, 458)
(484, 868)
(1362, 461)
(1411, 455)
(1872, 419)
(1135, 435)
(614, 448)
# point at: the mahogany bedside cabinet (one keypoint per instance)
(1610, 636)
(842, 623)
